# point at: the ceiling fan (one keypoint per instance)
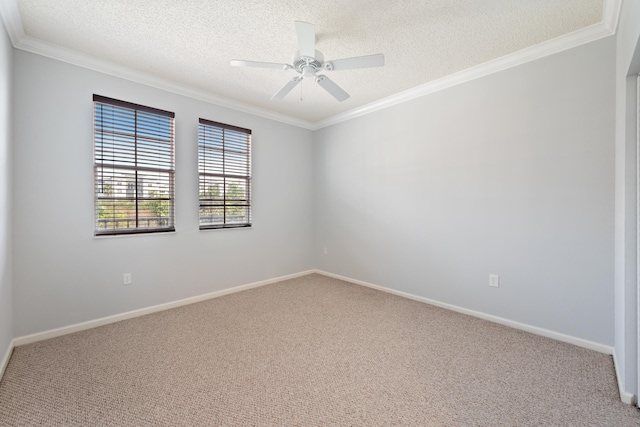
(308, 62)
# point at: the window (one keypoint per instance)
(224, 168)
(133, 168)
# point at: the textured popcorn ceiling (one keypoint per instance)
(191, 42)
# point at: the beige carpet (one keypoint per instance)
(312, 351)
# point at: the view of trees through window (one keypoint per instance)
(230, 204)
(153, 210)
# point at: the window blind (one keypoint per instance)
(224, 168)
(133, 168)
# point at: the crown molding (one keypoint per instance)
(607, 27)
(12, 20)
(611, 14)
(39, 47)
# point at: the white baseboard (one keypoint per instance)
(601, 348)
(52, 333)
(5, 360)
(626, 397)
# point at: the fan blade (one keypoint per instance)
(355, 62)
(336, 91)
(286, 89)
(306, 39)
(241, 63)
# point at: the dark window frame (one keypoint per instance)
(220, 164)
(133, 145)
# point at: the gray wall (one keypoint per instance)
(626, 321)
(511, 174)
(6, 299)
(63, 275)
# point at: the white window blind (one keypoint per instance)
(133, 168)
(224, 167)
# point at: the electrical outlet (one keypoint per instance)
(494, 280)
(126, 279)
(325, 250)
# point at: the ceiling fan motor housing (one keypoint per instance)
(300, 63)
